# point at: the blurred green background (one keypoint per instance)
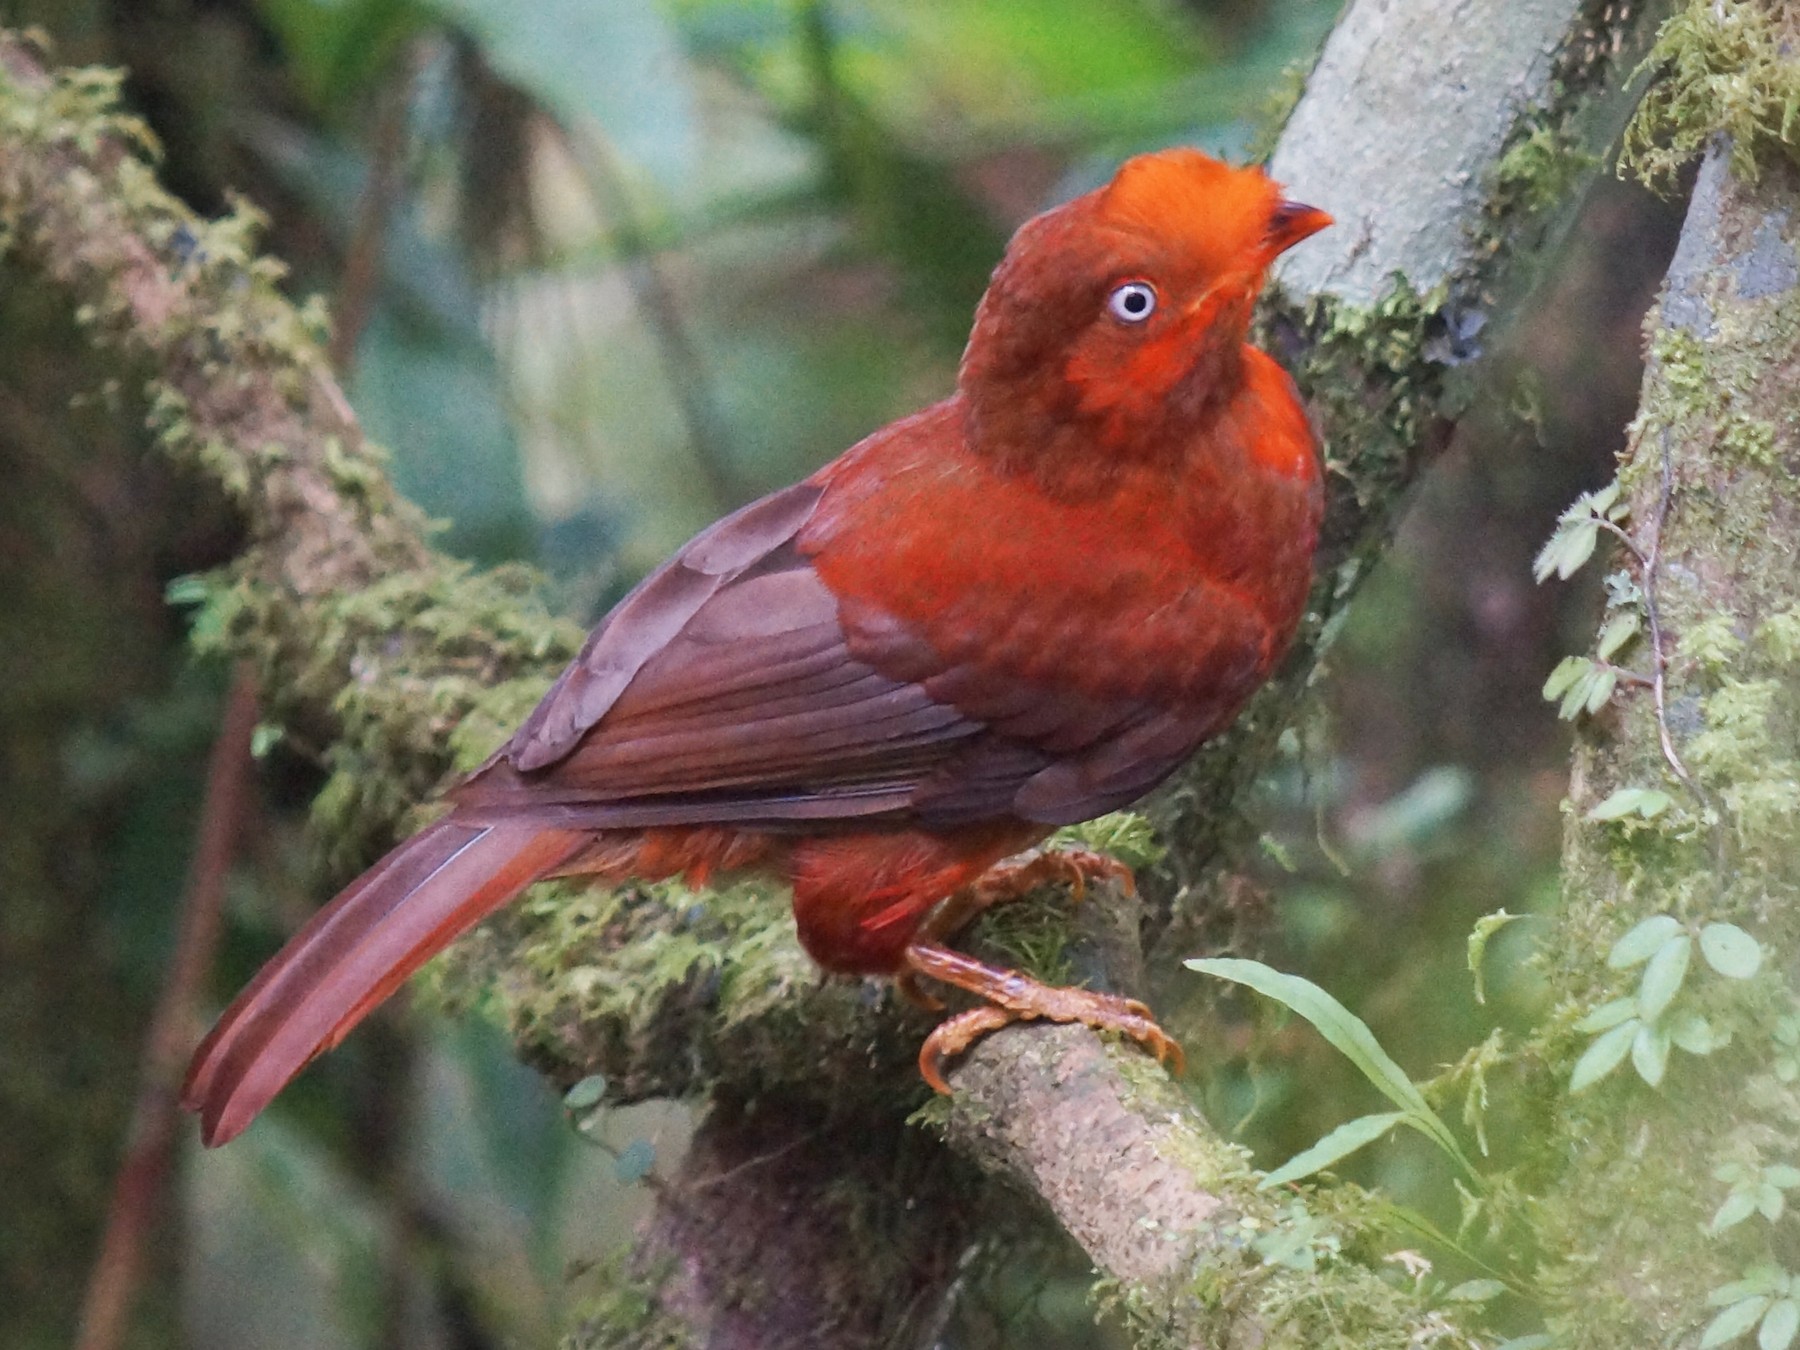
(617, 266)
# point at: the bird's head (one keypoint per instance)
(1127, 307)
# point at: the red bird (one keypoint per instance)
(1022, 607)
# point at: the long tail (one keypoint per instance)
(354, 953)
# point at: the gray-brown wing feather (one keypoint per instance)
(723, 690)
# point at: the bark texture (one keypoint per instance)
(1712, 475)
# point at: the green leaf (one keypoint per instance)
(188, 590)
(1336, 1023)
(1779, 1324)
(1738, 1206)
(1576, 698)
(1619, 630)
(1650, 1052)
(1734, 1321)
(634, 1163)
(1600, 690)
(1694, 1034)
(1640, 944)
(1601, 500)
(1485, 928)
(1569, 548)
(1770, 1202)
(586, 1094)
(1339, 1144)
(1663, 976)
(1577, 548)
(1608, 1015)
(264, 739)
(1342, 1028)
(1731, 951)
(1632, 801)
(1764, 1279)
(1782, 1175)
(1603, 1056)
(1475, 1291)
(1565, 673)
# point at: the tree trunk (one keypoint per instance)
(1712, 476)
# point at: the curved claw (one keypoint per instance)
(1074, 867)
(1012, 997)
(954, 1036)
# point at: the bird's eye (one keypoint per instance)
(1133, 302)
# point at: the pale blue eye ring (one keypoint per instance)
(1133, 302)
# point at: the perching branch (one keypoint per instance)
(395, 657)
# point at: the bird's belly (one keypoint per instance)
(859, 898)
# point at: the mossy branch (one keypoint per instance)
(364, 640)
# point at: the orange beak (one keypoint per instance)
(1291, 222)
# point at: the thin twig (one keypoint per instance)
(761, 1160)
(141, 1177)
(1660, 657)
(362, 259)
(1647, 566)
(688, 379)
(1625, 676)
(1620, 533)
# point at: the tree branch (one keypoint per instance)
(139, 1188)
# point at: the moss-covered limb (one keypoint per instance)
(1452, 142)
(669, 993)
(1710, 474)
(799, 1226)
(362, 636)
(1191, 1252)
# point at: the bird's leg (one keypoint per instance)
(1012, 997)
(1010, 879)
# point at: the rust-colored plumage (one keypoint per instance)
(1022, 607)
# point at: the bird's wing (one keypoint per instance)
(723, 690)
(734, 687)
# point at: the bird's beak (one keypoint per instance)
(1291, 222)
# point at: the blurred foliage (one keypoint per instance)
(635, 263)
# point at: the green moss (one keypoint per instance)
(1314, 1273)
(1124, 835)
(626, 1313)
(1724, 66)
(1539, 169)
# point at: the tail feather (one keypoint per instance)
(357, 951)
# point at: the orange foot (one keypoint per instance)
(1012, 997)
(1075, 867)
(1010, 880)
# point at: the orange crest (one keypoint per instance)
(1207, 211)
